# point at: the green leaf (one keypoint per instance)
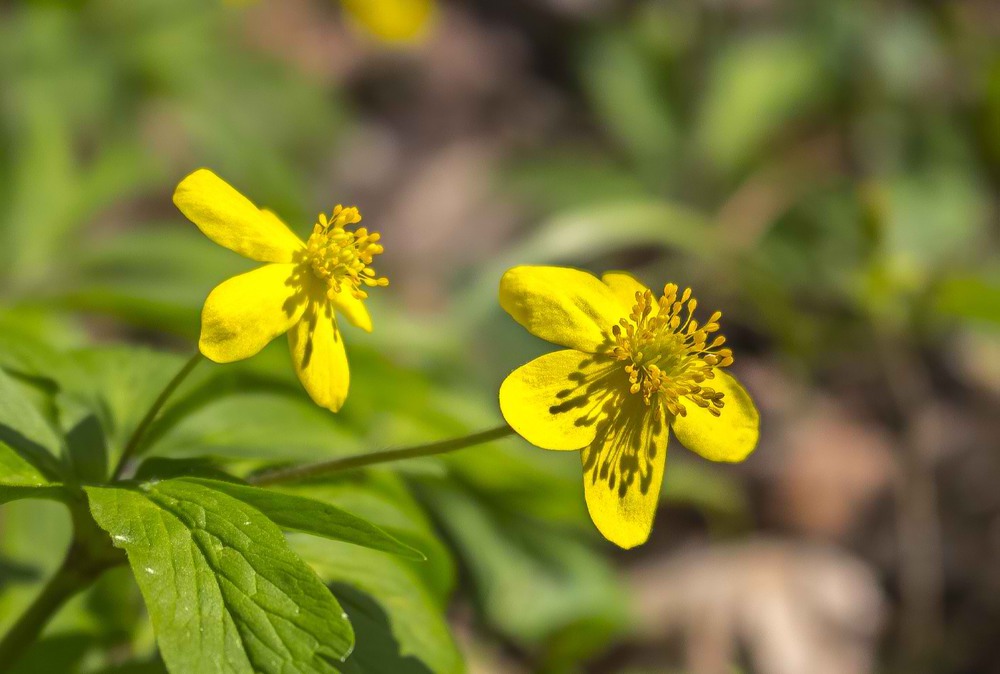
(415, 618)
(224, 591)
(623, 87)
(754, 88)
(156, 276)
(16, 471)
(312, 517)
(58, 653)
(43, 190)
(579, 235)
(934, 217)
(24, 350)
(136, 667)
(378, 651)
(25, 431)
(255, 424)
(382, 497)
(10, 493)
(31, 532)
(515, 562)
(121, 383)
(570, 179)
(86, 446)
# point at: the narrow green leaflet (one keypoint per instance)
(24, 431)
(224, 591)
(415, 619)
(383, 498)
(311, 517)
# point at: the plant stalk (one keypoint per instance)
(140, 431)
(75, 574)
(323, 468)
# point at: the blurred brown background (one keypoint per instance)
(823, 172)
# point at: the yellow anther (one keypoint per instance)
(667, 355)
(341, 257)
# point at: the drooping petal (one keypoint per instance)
(564, 306)
(555, 401)
(623, 472)
(246, 312)
(229, 219)
(624, 286)
(317, 347)
(729, 437)
(354, 310)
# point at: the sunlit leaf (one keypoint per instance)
(312, 517)
(222, 588)
(29, 444)
(413, 614)
(382, 498)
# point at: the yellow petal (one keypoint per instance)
(624, 286)
(317, 346)
(564, 306)
(229, 219)
(623, 471)
(354, 310)
(246, 312)
(392, 20)
(728, 437)
(555, 401)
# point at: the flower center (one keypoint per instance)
(668, 353)
(341, 257)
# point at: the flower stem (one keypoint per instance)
(77, 572)
(140, 431)
(363, 460)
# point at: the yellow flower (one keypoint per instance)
(392, 20)
(634, 368)
(297, 292)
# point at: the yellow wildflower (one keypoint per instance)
(634, 368)
(297, 292)
(392, 20)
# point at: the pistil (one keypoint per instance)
(667, 352)
(340, 256)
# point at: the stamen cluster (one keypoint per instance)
(668, 353)
(340, 256)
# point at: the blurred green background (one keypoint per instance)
(825, 173)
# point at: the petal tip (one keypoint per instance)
(197, 174)
(214, 353)
(625, 537)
